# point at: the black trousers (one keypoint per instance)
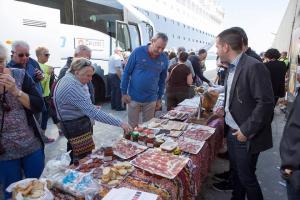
(243, 167)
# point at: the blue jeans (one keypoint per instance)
(11, 170)
(243, 167)
(116, 95)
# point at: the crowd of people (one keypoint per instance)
(139, 82)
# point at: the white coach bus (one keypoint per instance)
(61, 25)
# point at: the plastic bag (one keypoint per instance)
(56, 166)
(45, 195)
(78, 184)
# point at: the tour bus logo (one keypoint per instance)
(94, 44)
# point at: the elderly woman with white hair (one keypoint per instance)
(75, 108)
(21, 146)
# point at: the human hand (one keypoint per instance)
(220, 112)
(126, 98)
(38, 74)
(9, 83)
(288, 171)
(126, 127)
(240, 136)
(50, 70)
(158, 105)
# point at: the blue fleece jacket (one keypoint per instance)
(144, 77)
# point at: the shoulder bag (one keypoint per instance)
(78, 133)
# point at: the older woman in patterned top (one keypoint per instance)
(21, 147)
(72, 97)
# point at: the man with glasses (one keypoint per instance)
(20, 59)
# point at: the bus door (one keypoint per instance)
(135, 35)
(123, 38)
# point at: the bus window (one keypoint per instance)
(135, 36)
(65, 7)
(150, 31)
(96, 16)
(123, 38)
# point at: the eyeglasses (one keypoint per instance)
(47, 54)
(21, 55)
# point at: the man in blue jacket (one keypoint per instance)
(20, 59)
(143, 80)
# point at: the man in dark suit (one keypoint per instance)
(290, 149)
(225, 178)
(248, 112)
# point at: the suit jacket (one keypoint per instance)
(251, 102)
(277, 71)
(290, 142)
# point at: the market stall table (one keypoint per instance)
(186, 185)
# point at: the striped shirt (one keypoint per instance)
(72, 101)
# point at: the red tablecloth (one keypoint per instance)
(188, 182)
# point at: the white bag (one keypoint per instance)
(47, 195)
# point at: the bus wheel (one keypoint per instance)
(99, 87)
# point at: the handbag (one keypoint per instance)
(78, 133)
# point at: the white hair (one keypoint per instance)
(3, 52)
(19, 43)
(80, 63)
(81, 48)
(160, 35)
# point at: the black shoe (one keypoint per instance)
(224, 186)
(222, 176)
(224, 155)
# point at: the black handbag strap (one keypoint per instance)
(2, 107)
(61, 119)
(55, 102)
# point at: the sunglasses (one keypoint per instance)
(47, 54)
(21, 55)
(87, 63)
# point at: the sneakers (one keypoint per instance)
(222, 176)
(223, 186)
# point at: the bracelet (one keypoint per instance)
(19, 93)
